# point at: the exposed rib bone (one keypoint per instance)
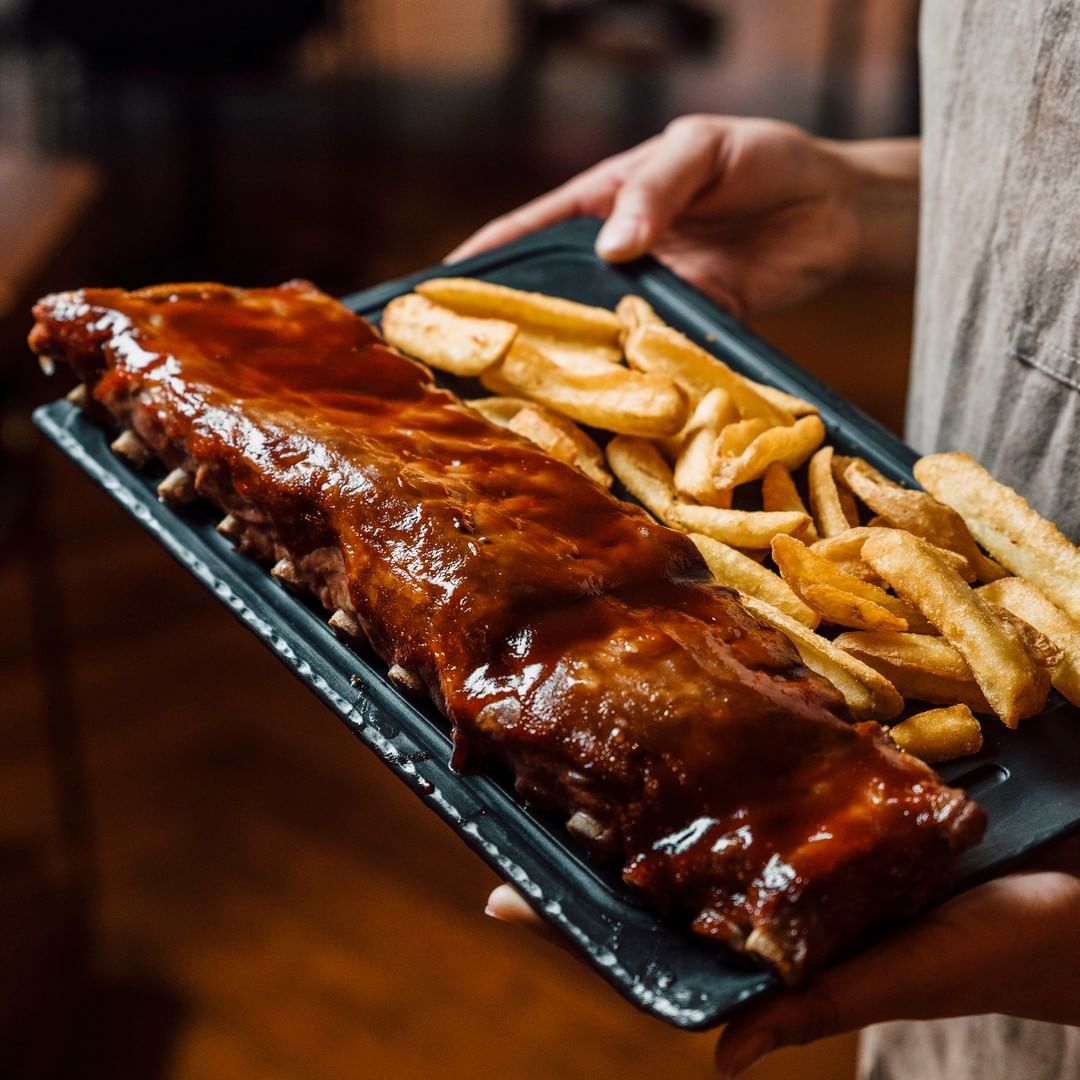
(47, 364)
(78, 395)
(132, 449)
(177, 488)
(231, 527)
(285, 572)
(587, 827)
(344, 623)
(405, 678)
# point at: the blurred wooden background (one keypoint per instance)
(261, 897)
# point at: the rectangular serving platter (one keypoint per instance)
(1026, 780)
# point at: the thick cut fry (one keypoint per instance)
(739, 528)
(1020, 539)
(715, 410)
(628, 402)
(499, 410)
(778, 492)
(565, 318)
(442, 338)
(1013, 683)
(563, 439)
(919, 666)
(587, 357)
(662, 350)
(738, 571)
(643, 472)
(845, 549)
(1028, 603)
(828, 510)
(915, 511)
(939, 734)
(784, 401)
(868, 694)
(693, 470)
(790, 446)
(634, 311)
(837, 597)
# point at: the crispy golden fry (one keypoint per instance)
(499, 410)
(736, 437)
(1027, 602)
(643, 472)
(837, 597)
(586, 357)
(790, 446)
(693, 460)
(778, 492)
(826, 504)
(628, 402)
(939, 734)
(919, 666)
(784, 401)
(868, 694)
(662, 350)
(738, 571)
(1013, 683)
(845, 549)
(442, 338)
(715, 410)
(1043, 651)
(915, 511)
(1020, 539)
(565, 318)
(632, 312)
(738, 528)
(561, 438)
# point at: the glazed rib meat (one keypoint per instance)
(560, 630)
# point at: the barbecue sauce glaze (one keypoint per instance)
(560, 630)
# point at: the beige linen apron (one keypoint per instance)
(997, 358)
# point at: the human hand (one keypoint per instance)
(1009, 946)
(756, 213)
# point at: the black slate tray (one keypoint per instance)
(1027, 780)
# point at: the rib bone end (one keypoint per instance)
(344, 623)
(177, 489)
(132, 449)
(284, 570)
(78, 395)
(405, 679)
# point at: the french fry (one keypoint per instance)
(738, 571)
(443, 339)
(735, 437)
(827, 504)
(499, 410)
(837, 597)
(564, 318)
(624, 401)
(662, 350)
(868, 694)
(1014, 685)
(643, 472)
(737, 528)
(1028, 603)
(778, 492)
(845, 549)
(916, 511)
(939, 734)
(634, 311)
(919, 666)
(790, 446)
(563, 439)
(1001, 520)
(693, 458)
(586, 357)
(784, 401)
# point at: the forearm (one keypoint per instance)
(886, 188)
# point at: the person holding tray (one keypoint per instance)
(983, 212)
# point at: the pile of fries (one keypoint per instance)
(959, 595)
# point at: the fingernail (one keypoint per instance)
(755, 1047)
(621, 238)
(489, 911)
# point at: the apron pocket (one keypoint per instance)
(1050, 359)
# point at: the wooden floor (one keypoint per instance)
(271, 902)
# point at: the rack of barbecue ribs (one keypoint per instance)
(562, 632)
